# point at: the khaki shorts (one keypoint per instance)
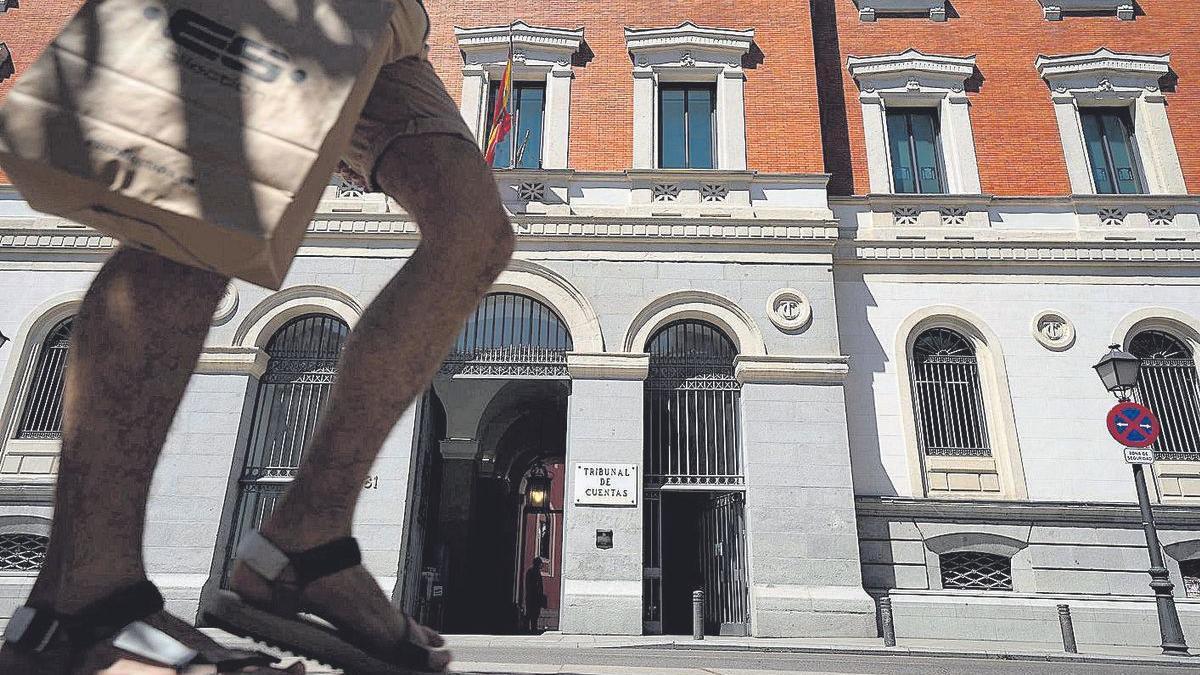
(408, 99)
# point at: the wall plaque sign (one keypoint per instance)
(604, 484)
(604, 539)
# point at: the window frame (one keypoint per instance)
(687, 88)
(939, 158)
(1124, 116)
(514, 133)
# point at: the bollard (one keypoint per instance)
(697, 615)
(1068, 630)
(887, 621)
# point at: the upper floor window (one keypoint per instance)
(688, 97)
(1108, 133)
(1112, 119)
(42, 415)
(915, 154)
(917, 123)
(947, 395)
(522, 149)
(1167, 385)
(687, 116)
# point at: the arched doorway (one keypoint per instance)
(695, 531)
(497, 410)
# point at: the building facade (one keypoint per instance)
(803, 314)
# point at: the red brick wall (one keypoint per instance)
(1016, 135)
(27, 30)
(782, 119)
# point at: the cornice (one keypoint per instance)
(780, 369)
(911, 61)
(688, 34)
(1081, 513)
(219, 360)
(520, 34)
(26, 494)
(1003, 252)
(608, 366)
(1103, 61)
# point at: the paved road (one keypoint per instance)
(492, 660)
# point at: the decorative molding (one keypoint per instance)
(216, 360)
(1103, 63)
(608, 366)
(1053, 330)
(1054, 10)
(26, 494)
(868, 70)
(1108, 253)
(789, 309)
(697, 42)
(765, 369)
(1083, 514)
(869, 10)
(227, 307)
(523, 37)
(717, 309)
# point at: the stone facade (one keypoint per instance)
(821, 281)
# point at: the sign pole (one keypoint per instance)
(1173, 642)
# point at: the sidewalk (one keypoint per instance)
(981, 649)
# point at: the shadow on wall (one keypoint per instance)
(868, 359)
(831, 97)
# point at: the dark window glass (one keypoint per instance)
(686, 116)
(916, 158)
(947, 396)
(1191, 577)
(1108, 133)
(522, 149)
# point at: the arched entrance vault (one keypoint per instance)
(502, 402)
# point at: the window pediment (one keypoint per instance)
(911, 71)
(1053, 10)
(1104, 71)
(688, 45)
(532, 45)
(869, 10)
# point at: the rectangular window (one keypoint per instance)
(1108, 133)
(687, 116)
(522, 149)
(916, 151)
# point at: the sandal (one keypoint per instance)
(279, 621)
(128, 625)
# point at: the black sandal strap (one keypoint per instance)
(325, 560)
(107, 617)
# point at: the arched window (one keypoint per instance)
(41, 418)
(1167, 385)
(22, 552)
(947, 397)
(976, 571)
(511, 334)
(300, 371)
(692, 416)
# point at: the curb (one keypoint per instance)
(1051, 657)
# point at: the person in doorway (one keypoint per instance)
(136, 341)
(535, 595)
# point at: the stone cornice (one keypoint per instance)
(1008, 252)
(1103, 61)
(688, 35)
(910, 62)
(1081, 513)
(773, 369)
(26, 494)
(520, 34)
(608, 366)
(250, 361)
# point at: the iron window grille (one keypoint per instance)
(976, 571)
(42, 417)
(947, 396)
(915, 143)
(1167, 385)
(692, 401)
(302, 365)
(511, 335)
(1190, 569)
(21, 552)
(1112, 150)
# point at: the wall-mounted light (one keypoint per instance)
(537, 488)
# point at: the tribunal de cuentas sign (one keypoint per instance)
(604, 484)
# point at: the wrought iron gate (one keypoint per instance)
(723, 554)
(292, 392)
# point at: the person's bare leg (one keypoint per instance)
(390, 359)
(134, 344)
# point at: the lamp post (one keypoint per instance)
(1118, 370)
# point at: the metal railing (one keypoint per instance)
(42, 417)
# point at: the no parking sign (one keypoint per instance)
(1133, 425)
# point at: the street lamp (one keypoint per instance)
(1118, 370)
(537, 488)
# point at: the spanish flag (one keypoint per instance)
(502, 113)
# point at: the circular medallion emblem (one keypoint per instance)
(1053, 331)
(789, 309)
(227, 307)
